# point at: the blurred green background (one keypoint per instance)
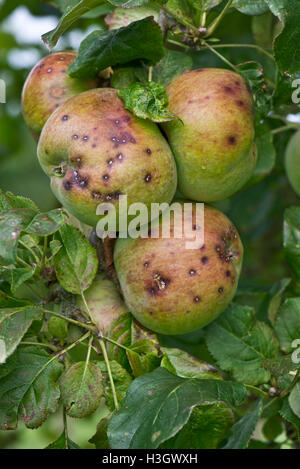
(257, 212)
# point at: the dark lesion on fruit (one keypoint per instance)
(204, 260)
(110, 197)
(79, 180)
(220, 290)
(232, 140)
(148, 177)
(197, 299)
(225, 250)
(159, 284)
(76, 160)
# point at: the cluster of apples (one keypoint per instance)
(94, 150)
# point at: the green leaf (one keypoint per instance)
(266, 157)
(17, 276)
(171, 65)
(101, 49)
(181, 9)
(204, 4)
(159, 404)
(185, 365)
(276, 293)
(128, 3)
(10, 201)
(63, 442)
(100, 439)
(294, 399)
(7, 301)
(28, 388)
(122, 381)
(287, 43)
(272, 428)
(45, 224)
(291, 238)
(13, 325)
(120, 17)
(205, 429)
(253, 72)
(278, 8)
(76, 263)
(287, 325)
(143, 357)
(71, 14)
(262, 30)
(148, 101)
(81, 389)
(240, 343)
(287, 413)
(12, 223)
(251, 7)
(242, 430)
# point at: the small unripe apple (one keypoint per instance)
(213, 137)
(174, 290)
(292, 162)
(48, 86)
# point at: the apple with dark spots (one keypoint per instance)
(48, 86)
(104, 302)
(212, 139)
(174, 290)
(292, 162)
(94, 151)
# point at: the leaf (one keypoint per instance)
(100, 439)
(278, 8)
(128, 3)
(120, 17)
(294, 399)
(253, 72)
(122, 381)
(240, 343)
(147, 101)
(81, 389)
(76, 263)
(185, 365)
(159, 404)
(181, 9)
(262, 30)
(287, 43)
(291, 238)
(13, 325)
(63, 442)
(143, 357)
(170, 66)
(287, 325)
(273, 428)
(251, 7)
(71, 14)
(12, 223)
(266, 157)
(17, 276)
(207, 426)
(28, 388)
(7, 301)
(10, 201)
(242, 430)
(276, 293)
(287, 413)
(45, 224)
(204, 4)
(141, 39)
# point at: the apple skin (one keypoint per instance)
(94, 150)
(173, 290)
(48, 86)
(292, 162)
(213, 137)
